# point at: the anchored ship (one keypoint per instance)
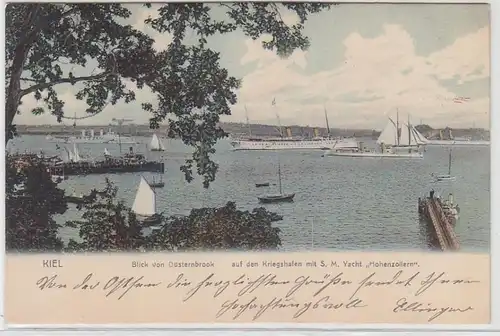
(92, 138)
(290, 142)
(394, 142)
(452, 141)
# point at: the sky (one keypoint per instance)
(366, 62)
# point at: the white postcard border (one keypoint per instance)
(344, 328)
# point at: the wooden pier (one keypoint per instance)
(87, 168)
(440, 223)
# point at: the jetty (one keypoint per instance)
(128, 163)
(105, 167)
(440, 218)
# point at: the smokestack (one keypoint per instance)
(101, 132)
(315, 132)
(289, 132)
(91, 133)
(83, 133)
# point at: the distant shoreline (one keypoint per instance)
(240, 129)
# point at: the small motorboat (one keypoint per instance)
(265, 184)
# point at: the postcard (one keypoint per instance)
(179, 163)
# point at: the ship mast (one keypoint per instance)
(248, 122)
(279, 176)
(397, 126)
(327, 125)
(409, 131)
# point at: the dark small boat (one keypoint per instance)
(277, 198)
(265, 184)
(151, 221)
(76, 199)
(157, 184)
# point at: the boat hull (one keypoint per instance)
(157, 185)
(148, 221)
(378, 155)
(258, 185)
(464, 143)
(157, 150)
(95, 140)
(87, 168)
(321, 144)
(276, 199)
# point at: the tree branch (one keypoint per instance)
(43, 86)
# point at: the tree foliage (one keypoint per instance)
(224, 228)
(106, 224)
(191, 87)
(31, 201)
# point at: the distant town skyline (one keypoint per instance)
(429, 61)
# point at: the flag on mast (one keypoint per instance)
(274, 101)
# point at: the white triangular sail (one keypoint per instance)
(389, 135)
(70, 156)
(408, 137)
(145, 199)
(156, 143)
(106, 152)
(420, 138)
(76, 153)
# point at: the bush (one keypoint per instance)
(31, 201)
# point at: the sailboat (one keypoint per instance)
(156, 145)
(76, 153)
(391, 143)
(446, 177)
(277, 198)
(144, 205)
(106, 152)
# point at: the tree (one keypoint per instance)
(31, 201)
(218, 228)
(191, 87)
(107, 225)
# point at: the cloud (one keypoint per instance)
(468, 58)
(378, 76)
(372, 78)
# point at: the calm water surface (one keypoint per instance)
(340, 203)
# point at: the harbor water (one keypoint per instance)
(341, 203)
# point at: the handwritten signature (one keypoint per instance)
(244, 294)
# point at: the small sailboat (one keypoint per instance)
(277, 198)
(145, 204)
(446, 177)
(106, 152)
(76, 153)
(156, 145)
(157, 184)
